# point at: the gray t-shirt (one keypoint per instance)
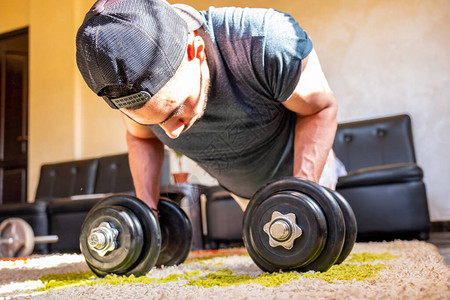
(246, 135)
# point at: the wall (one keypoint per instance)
(380, 57)
(52, 120)
(14, 15)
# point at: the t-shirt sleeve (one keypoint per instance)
(285, 45)
(262, 49)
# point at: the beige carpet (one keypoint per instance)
(394, 270)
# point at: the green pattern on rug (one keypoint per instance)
(366, 257)
(59, 281)
(226, 277)
(356, 267)
(204, 259)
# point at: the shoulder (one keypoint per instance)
(264, 46)
(266, 30)
(251, 21)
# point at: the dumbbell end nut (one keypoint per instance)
(103, 239)
(282, 230)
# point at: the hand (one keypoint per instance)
(156, 213)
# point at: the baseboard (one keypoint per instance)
(440, 226)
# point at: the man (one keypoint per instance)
(239, 91)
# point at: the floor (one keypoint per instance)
(442, 241)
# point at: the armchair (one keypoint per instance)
(384, 184)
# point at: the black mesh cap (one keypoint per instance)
(138, 44)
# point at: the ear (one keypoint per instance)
(196, 47)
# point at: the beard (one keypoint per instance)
(204, 92)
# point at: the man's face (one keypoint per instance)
(179, 104)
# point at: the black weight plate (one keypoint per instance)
(150, 229)
(306, 248)
(351, 228)
(176, 234)
(329, 206)
(129, 240)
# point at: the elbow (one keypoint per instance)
(332, 106)
(328, 114)
(329, 106)
(331, 112)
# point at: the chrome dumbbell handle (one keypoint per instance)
(46, 239)
(43, 239)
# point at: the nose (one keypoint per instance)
(173, 129)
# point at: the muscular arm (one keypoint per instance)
(146, 156)
(316, 109)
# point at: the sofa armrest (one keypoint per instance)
(85, 197)
(65, 205)
(392, 173)
(76, 202)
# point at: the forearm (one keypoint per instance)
(314, 137)
(146, 158)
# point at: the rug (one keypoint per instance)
(381, 270)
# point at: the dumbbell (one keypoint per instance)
(294, 224)
(17, 238)
(121, 235)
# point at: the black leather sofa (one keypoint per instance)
(384, 185)
(67, 191)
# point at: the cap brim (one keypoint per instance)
(190, 15)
